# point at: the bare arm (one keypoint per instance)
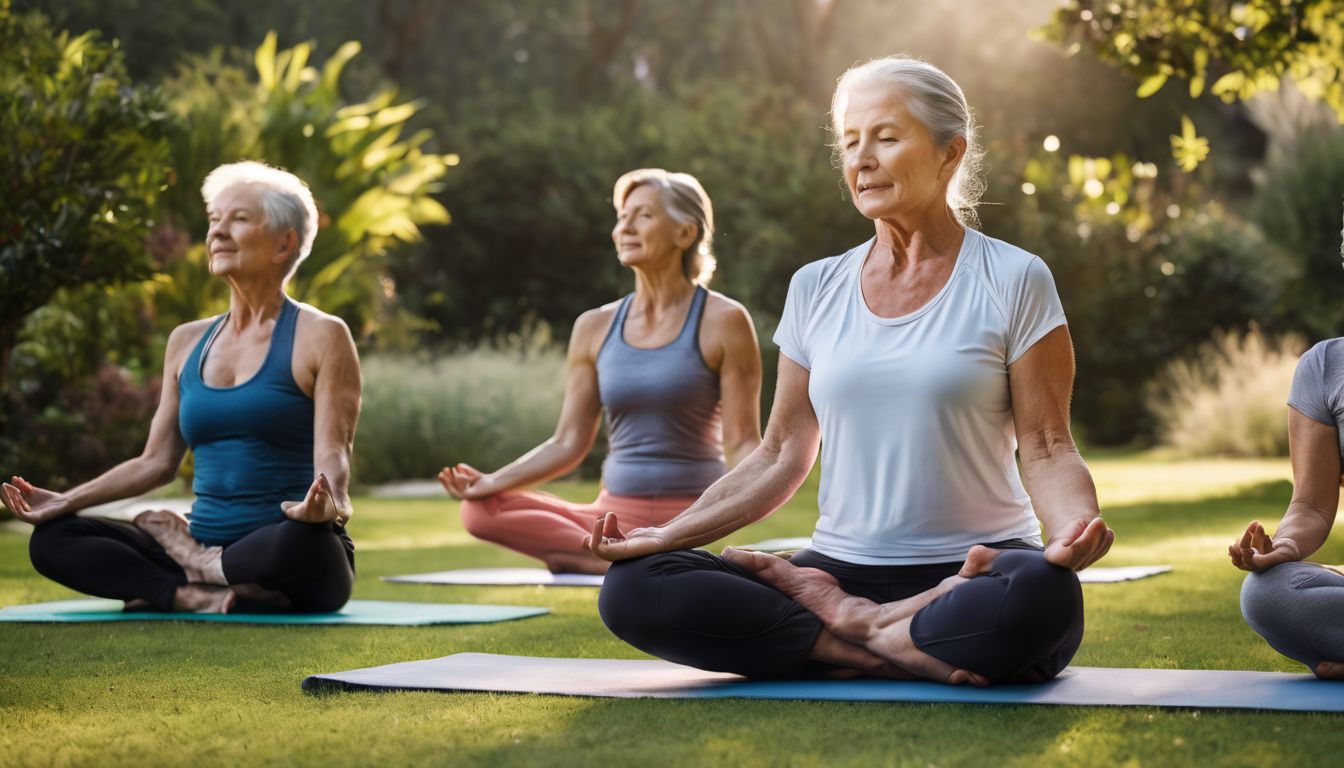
(753, 489)
(337, 391)
(1061, 487)
(156, 465)
(574, 432)
(739, 367)
(1311, 513)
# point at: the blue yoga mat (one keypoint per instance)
(619, 678)
(354, 612)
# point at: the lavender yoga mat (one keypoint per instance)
(620, 678)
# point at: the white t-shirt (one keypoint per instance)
(917, 440)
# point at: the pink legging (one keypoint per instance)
(541, 525)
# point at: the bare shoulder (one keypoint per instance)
(591, 328)
(322, 328)
(727, 316)
(181, 341)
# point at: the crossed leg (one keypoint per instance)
(882, 630)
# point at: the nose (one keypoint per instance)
(861, 157)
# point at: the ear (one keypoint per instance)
(289, 244)
(686, 235)
(952, 155)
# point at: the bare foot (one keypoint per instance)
(204, 565)
(203, 598)
(978, 561)
(575, 562)
(852, 619)
(1330, 670)
(881, 630)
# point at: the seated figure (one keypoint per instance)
(266, 396)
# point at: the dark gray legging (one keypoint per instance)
(1022, 622)
(311, 564)
(1299, 609)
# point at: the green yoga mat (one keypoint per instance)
(376, 612)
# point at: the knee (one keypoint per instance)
(1043, 606)
(478, 517)
(628, 602)
(1267, 597)
(48, 540)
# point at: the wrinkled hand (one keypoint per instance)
(464, 482)
(318, 506)
(32, 504)
(1083, 543)
(1255, 551)
(607, 542)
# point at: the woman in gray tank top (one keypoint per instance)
(1295, 605)
(674, 366)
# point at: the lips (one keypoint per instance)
(872, 187)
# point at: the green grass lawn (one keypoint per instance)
(180, 693)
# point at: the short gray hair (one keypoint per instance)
(938, 102)
(286, 201)
(687, 203)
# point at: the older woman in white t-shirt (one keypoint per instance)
(918, 362)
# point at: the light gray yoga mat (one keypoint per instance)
(355, 612)
(501, 577)
(540, 576)
(1088, 686)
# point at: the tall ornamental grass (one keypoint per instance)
(485, 407)
(1230, 397)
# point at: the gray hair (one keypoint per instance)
(687, 203)
(286, 201)
(935, 100)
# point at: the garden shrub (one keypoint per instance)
(484, 406)
(1230, 397)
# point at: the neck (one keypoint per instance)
(660, 289)
(909, 242)
(253, 302)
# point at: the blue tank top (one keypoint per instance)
(252, 444)
(664, 420)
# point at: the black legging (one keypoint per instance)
(311, 564)
(1022, 622)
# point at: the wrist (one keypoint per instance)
(1287, 545)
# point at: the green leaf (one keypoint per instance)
(1151, 85)
(265, 62)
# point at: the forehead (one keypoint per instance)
(244, 196)
(644, 194)
(868, 103)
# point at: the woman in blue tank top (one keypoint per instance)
(674, 366)
(266, 396)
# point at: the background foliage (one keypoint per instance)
(1166, 213)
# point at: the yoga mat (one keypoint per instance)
(502, 577)
(1089, 686)
(354, 612)
(1093, 575)
(509, 577)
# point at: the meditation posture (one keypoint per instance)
(1299, 606)
(674, 365)
(266, 396)
(917, 361)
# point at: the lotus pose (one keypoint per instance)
(675, 367)
(917, 362)
(1299, 606)
(266, 396)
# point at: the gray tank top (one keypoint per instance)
(664, 421)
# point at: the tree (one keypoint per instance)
(82, 161)
(1247, 47)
